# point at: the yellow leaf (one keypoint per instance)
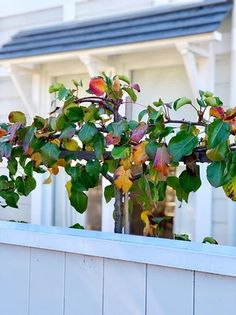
(57, 142)
(150, 226)
(70, 145)
(62, 162)
(54, 170)
(68, 188)
(37, 158)
(48, 180)
(230, 189)
(126, 163)
(123, 179)
(139, 155)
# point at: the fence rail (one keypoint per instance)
(59, 271)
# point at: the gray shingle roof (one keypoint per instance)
(203, 17)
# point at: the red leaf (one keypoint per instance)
(135, 86)
(139, 132)
(111, 139)
(162, 160)
(97, 86)
(217, 112)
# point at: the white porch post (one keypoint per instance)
(201, 74)
(42, 197)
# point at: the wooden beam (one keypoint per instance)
(18, 83)
(190, 67)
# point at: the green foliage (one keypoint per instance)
(89, 138)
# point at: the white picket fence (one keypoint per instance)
(58, 271)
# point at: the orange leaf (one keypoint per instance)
(217, 112)
(111, 139)
(162, 160)
(97, 86)
(116, 84)
(37, 158)
(139, 154)
(2, 132)
(123, 179)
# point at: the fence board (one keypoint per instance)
(46, 282)
(169, 291)
(214, 294)
(124, 288)
(83, 285)
(14, 280)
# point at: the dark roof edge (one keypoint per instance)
(152, 11)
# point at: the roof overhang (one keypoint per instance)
(114, 50)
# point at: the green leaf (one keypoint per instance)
(131, 93)
(182, 145)
(26, 136)
(11, 198)
(78, 200)
(117, 128)
(29, 168)
(182, 237)
(17, 116)
(63, 93)
(174, 182)
(142, 114)
(181, 102)
(161, 189)
(151, 149)
(99, 144)
(50, 153)
(39, 122)
(215, 173)
(158, 103)
(87, 132)
(77, 226)
(209, 240)
(12, 166)
(121, 152)
(218, 153)
(124, 78)
(20, 185)
(30, 184)
(109, 193)
(4, 185)
(190, 182)
(74, 113)
(55, 87)
(218, 131)
(93, 168)
(213, 101)
(62, 122)
(68, 132)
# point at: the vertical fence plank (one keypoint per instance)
(83, 285)
(215, 294)
(124, 288)
(46, 282)
(14, 280)
(169, 291)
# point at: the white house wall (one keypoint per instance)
(9, 98)
(151, 68)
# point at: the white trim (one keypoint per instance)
(14, 75)
(214, 36)
(162, 252)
